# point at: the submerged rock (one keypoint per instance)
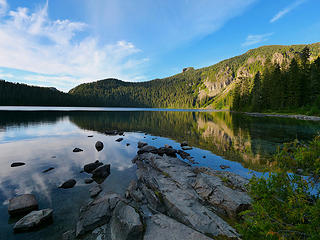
(88, 180)
(101, 173)
(95, 190)
(88, 168)
(77, 150)
(47, 170)
(68, 184)
(33, 220)
(126, 223)
(22, 204)
(17, 164)
(99, 146)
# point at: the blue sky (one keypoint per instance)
(65, 43)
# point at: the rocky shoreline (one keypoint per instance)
(169, 200)
(296, 116)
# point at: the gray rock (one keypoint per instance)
(171, 181)
(69, 235)
(126, 223)
(99, 146)
(213, 190)
(33, 220)
(77, 150)
(119, 139)
(133, 192)
(101, 173)
(95, 190)
(161, 227)
(92, 166)
(22, 204)
(96, 213)
(146, 148)
(68, 184)
(88, 180)
(168, 151)
(142, 144)
(17, 164)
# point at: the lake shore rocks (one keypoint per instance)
(22, 204)
(95, 190)
(101, 173)
(33, 220)
(169, 200)
(68, 184)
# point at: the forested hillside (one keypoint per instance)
(15, 94)
(239, 83)
(269, 78)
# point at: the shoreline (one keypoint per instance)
(295, 116)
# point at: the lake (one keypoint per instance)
(45, 137)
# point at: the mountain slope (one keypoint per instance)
(209, 87)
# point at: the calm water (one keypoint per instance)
(44, 139)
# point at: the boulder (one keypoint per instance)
(101, 173)
(77, 150)
(126, 223)
(146, 148)
(47, 170)
(88, 168)
(17, 164)
(22, 204)
(96, 213)
(168, 151)
(142, 144)
(95, 190)
(68, 184)
(33, 220)
(99, 146)
(161, 227)
(213, 190)
(88, 180)
(183, 144)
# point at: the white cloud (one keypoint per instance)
(30, 41)
(255, 39)
(3, 7)
(286, 10)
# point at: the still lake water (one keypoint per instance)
(45, 137)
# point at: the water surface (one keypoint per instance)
(46, 138)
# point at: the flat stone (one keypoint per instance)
(146, 148)
(22, 204)
(126, 223)
(186, 148)
(161, 227)
(95, 190)
(33, 220)
(68, 184)
(17, 164)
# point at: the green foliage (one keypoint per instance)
(286, 206)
